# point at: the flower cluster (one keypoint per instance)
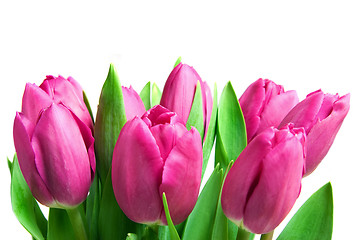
(136, 171)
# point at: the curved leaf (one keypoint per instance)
(110, 119)
(24, 205)
(314, 219)
(171, 227)
(231, 128)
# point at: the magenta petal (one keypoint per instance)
(277, 189)
(251, 103)
(26, 159)
(137, 173)
(166, 136)
(61, 156)
(179, 90)
(304, 114)
(133, 103)
(243, 176)
(276, 109)
(89, 143)
(322, 135)
(34, 101)
(63, 91)
(182, 176)
(206, 91)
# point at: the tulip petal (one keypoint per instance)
(63, 91)
(277, 189)
(208, 104)
(179, 90)
(34, 101)
(89, 143)
(136, 173)
(133, 103)
(26, 157)
(181, 177)
(61, 156)
(322, 135)
(251, 103)
(304, 114)
(276, 109)
(243, 176)
(166, 136)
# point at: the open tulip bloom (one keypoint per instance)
(136, 171)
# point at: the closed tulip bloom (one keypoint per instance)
(156, 154)
(179, 91)
(68, 92)
(264, 104)
(56, 154)
(133, 103)
(321, 115)
(265, 180)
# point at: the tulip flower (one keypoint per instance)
(265, 180)
(179, 91)
(70, 93)
(55, 152)
(133, 103)
(264, 104)
(321, 115)
(156, 154)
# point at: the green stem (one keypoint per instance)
(243, 234)
(77, 223)
(267, 236)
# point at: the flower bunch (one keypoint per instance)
(136, 171)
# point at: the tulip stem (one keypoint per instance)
(243, 234)
(267, 236)
(77, 223)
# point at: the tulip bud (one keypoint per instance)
(265, 180)
(321, 115)
(56, 154)
(178, 93)
(156, 154)
(68, 92)
(264, 104)
(133, 103)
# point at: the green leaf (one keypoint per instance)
(314, 220)
(200, 222)
(24, 205)
(131, 236)
(112, 222)
(60, 227)
(110, 119)
(171, 227)
(222, 227)
(93, 207)
(156, 95)
(150, 96)
(195, 117)
(145, 95)
(87, 103)
(9, 164)
(179, 60)
(211, 133)
(231, 129)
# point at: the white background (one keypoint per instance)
(303, 45)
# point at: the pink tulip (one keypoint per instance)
(133, 103)
(55, 151)
(156, 154)
(321, 115)
(68, 92)
(265, 180)
(264, 104)
(179, 90)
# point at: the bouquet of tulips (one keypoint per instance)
(135, 171)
